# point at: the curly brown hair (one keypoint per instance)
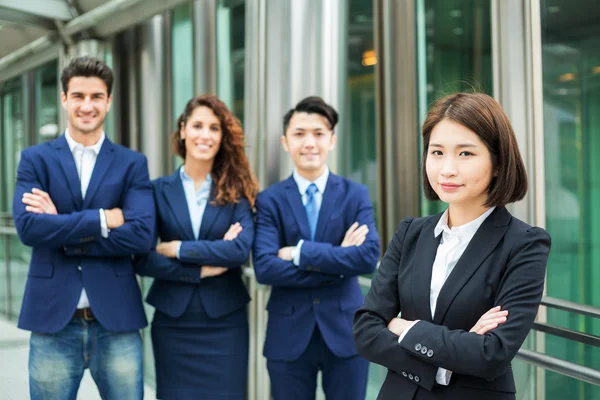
(231, 170)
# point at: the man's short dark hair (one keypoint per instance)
(87, 67)
(312, 105)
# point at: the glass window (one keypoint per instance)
(358, 141)
(47, 102)
(231, 54)
(571, 88)
(14, 136)
(454, 54)
(182, 63)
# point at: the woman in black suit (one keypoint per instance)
(467, 282)
(205, 224)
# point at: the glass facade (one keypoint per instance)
(358, 141)
(47, 102)
(231, 54)
(571, 88)
(454, 54)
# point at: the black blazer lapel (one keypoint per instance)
(295, 200)
(211, 213)
(327, 205)
(103, 163)
(175, 196)
(426, 250)
(483, 243)
(67, 164)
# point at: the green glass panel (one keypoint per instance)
(20, 256)
(2, 276)
(47, 102)
(454, 47)
(571, 88)
(14, 137)
(182, 63)
(358, 140)
(231, 54)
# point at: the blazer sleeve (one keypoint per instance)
(161, 267)
(374, 341)
(268, 267)
(46, 230)
(223, 253)
(135, 236)
(488, 356)
(349, 261)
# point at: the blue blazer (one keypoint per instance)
(324, 289)
(177, 279)
(69, 252)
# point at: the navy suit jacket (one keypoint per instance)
(69, 252)
(324, 289)
(503, 265)
(177, 279)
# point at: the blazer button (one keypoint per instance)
(411, 377)
(417, 346)
(417, 379)
(404, 374)
(316, 301)
(430, 353)
(423, 350)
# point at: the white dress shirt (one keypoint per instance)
(196, 200)
(85, 160)
(303, 184)
(452, 245)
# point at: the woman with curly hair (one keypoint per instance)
(204, 222)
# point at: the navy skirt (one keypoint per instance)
(199, 357)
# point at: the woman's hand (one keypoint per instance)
(207, 271)
(399, 325)
(490, 320)
(233, 231)
(168, 249)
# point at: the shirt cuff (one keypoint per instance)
(103, 227)
(178, 251)
(406, 330)
(296, 251)
(443, 376)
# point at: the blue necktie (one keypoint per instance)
(311, 209)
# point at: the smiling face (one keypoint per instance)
(459, 165)
(308, 139)
(86, 103)
(202, 134)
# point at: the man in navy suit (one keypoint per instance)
(85, 205)
(315, 233)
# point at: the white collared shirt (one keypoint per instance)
(85, 160)
(303, 184)
(452, 246)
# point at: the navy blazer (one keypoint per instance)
(177, 279)
(69, 252)
(324, 289)
(503, 265)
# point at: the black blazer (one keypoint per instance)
(504, 264)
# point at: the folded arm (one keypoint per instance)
(135, 235)
(49, 230)
(268, 267)
(165, 268)
(488, 356)
(224, 253)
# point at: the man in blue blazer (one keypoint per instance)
(85, 205)
(315, 233)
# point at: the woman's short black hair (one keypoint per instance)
(483, 115)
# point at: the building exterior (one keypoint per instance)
(381, 63)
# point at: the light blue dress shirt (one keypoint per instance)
(196, 199)
(303, 184)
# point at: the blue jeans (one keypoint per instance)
(57, 362)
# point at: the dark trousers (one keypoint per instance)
(343, 378)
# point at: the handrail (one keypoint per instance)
(570, 306)
(562, 367)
